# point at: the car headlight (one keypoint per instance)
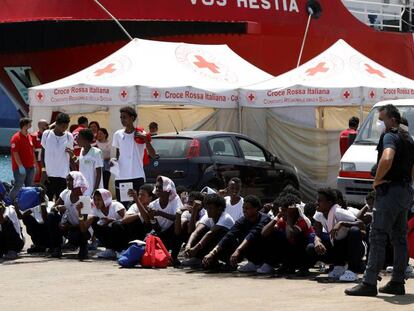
(348, 167)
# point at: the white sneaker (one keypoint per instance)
(336, 272)
(348, 276)
(11, 255)
(265, 269)
(248, 267)
(107, 254)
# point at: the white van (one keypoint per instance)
(355, 180)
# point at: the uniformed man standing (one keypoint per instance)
(394, 197)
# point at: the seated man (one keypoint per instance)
(162, 214)
(210, 230)
(189, 215)
(137, 223)
(234, 202)
(244, 239)
(338, 238)
(11, 238)
(35, 221)
(67, 218)
(287, 237)
(105, 213)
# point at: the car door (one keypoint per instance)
(257, 172)
(226, 158)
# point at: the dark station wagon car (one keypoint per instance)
(197, 159)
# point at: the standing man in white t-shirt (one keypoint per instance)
(130, 154)
(55, 156)
(90, 161)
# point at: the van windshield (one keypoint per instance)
(370, 132)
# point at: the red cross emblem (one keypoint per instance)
(346, 94)
(251, 97)
(373, 71)
(123, 94)
(107, 69)
(371, 94)
(318, 68)
(40, 96)
(155, 94)
(202, 63)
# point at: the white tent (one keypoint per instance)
(299, 114)
(340, 76)
(145, 72)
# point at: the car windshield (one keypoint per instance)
(171, 147)
(370, 132)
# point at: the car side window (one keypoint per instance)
(222, 146)
(251, 151)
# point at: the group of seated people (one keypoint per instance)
(210, 229)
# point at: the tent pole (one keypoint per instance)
(304, 40)
(240, 116)
(115, 20)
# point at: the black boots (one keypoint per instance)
(393, 288)
(362, 289)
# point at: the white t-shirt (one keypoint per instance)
(112, 212)
(340, 214)
(186, 215)
(171, 209)
(56, 158)
(133, 210)
(353, 210)
(235, 211)
(71, 214)
(87, 166)
(131, 156)
(225, 221)
(10, 213)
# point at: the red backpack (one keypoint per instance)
(146, 159)
(410, 237)
(156, 255)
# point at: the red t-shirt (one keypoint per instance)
(75, 133)
(23, 145)
(344, 140)
(301, 224)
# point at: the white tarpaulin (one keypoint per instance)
(153, 72)
(340, 76)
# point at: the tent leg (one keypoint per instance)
(361, 114)
(240, 118)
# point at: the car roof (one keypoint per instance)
(396, 102)
(195, 134)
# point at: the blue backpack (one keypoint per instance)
(28, 197)
(131, 256)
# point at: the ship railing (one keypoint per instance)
(378, 14)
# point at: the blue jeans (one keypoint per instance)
(392, 203)
(22, 180)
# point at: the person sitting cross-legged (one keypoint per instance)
(67, 219)
(105, 214)
(338, 238)
(35, 220)
(287, 237)
(210, 230)
(243, 241)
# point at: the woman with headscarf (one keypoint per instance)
(68, 218)
(162, 214)
(105, 213)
